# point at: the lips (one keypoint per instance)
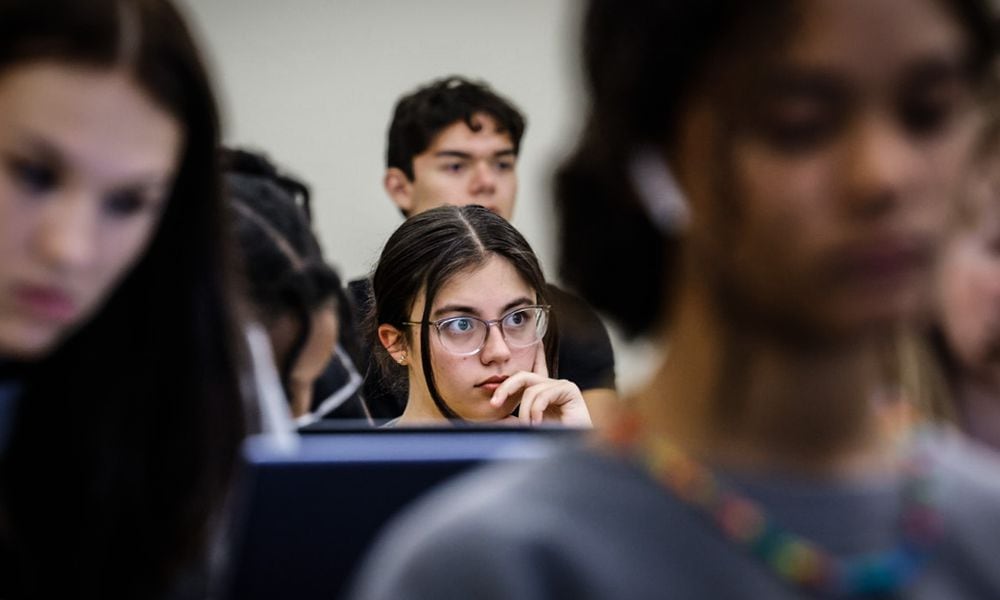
(46, 302)
(492, 383)
(884, 262)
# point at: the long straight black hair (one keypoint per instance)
(126, 435)
(424, 254)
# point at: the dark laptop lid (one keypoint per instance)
(309, 510)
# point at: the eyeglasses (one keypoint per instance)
(466, 335)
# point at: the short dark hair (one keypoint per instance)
(283, 266)
(126, 435)
(422, 114)
(424, 253)
(643, 59)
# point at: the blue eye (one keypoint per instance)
(517, 319)
(458, 326)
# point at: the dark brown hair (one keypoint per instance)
(643, 61)
(424, 254)
(126, 436)
(285, 272)
(422, 114)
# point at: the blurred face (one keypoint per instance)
(969, 287)
(461, 166)
(467, 382)
(86, 165)
(313, 358)
(820, 206)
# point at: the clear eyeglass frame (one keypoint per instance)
(541, 320)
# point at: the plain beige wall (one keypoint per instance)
(313, 83)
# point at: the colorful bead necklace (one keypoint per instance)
(795, 559)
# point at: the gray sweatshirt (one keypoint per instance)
(587, 525)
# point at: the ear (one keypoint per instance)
(393, 341)
(400, 189)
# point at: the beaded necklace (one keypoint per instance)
(796, 560)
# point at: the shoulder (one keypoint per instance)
(515, 497)
(510, 531)
(968, 478)
(586, 356)
(572, 308)
(967, 471)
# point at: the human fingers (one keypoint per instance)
(537, 399)
(558, 400)
(513, 385)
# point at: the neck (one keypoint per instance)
(749, 401)
(420, 409)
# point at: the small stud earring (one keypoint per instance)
(402, 358)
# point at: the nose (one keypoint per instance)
(66, 236)
(483, 179)
(495, 349)
(881, 162)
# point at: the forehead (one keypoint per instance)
(871, 37)
(488, 287)
(487, 139)
(99, 121)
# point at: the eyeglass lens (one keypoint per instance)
(466, 335)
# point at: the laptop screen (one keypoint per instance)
(308, 511)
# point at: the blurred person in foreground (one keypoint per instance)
(120, 352)
(766, 184)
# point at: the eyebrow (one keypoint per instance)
(807, 80)
(46, 152)
(934, 70)
(142, 183)
(802, 82)
(457, 308)
(466, 156)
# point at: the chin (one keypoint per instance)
(26, 345)
(903, 309)
(882, 322)
(865, 312)
(486, 417)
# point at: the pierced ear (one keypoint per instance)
(400, 189)
(393, 341)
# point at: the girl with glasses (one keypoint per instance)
(460, 317)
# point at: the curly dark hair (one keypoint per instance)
(422, 114)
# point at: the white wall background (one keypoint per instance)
(313, 83)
